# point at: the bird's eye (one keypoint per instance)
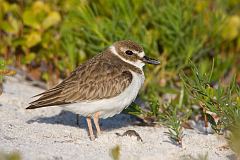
(128, 52)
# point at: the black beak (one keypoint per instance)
(148, 60)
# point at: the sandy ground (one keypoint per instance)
(52, 133)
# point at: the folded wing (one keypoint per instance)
(90, 81)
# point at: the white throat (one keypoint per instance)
(139, 64)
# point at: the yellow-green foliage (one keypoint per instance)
(234, 139)
(30, 32)
(115, 153)
(58, 35)
(10, 156)
(4, 72)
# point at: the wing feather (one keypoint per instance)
(100, 80)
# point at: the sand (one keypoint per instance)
(53, 133)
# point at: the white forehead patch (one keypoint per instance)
(138, 63)
(141, 54)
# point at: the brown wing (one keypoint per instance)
(90, 81)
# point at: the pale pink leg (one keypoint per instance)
(96, 122)
(89, 123)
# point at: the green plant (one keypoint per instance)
(149, 115)
(10, 156)
(115, 153)
(234, 138)
(174, 124)
(54, 37)
(4, 72)
(29, 33)
(224, 101)
(174, 116)
(171, 114)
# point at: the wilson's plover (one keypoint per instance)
(102, 86)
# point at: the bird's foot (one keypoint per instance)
(92, 138)
(98, 134)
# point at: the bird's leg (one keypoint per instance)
(89, 123)
(95, 120)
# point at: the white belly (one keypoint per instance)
(112, 106)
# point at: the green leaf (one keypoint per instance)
(40, 6)
(45, 76)
(5, 26)
(30, 19)
(30, 57)
(115, 152)
(33, 38)
(231, 28)
(52, 19)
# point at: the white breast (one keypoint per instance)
(112, 106)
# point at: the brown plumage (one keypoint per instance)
(102, 77)
(102, 86)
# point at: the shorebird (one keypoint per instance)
(102, 86)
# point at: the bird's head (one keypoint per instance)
(132, 53)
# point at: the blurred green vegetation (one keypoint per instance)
(4, 72)
(220, 105)
(115, 152)
(53, 37)
(10, 156)
(50, 38)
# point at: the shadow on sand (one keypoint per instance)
(71, 119)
